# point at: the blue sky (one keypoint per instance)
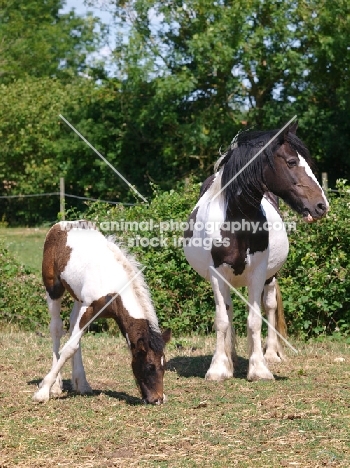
(81, 9)
(99, 11)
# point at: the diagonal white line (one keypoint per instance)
(257, 154)
(103, 308)
(253, 308)
(103, 158)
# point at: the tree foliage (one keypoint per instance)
(187, 77)
(36, 39)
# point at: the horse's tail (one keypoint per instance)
(281, 326)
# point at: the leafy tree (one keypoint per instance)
(37, 40)
(199, 71)
(37, 147)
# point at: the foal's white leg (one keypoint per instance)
(56, 331)
(273, 352)
(257, 366)
(221, 366)
(43, 394)
(79, 382)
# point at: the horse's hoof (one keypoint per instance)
(272, 358)
(41, 396)
(218, 377)
(56, 390)
(83, 388)
(265, 374)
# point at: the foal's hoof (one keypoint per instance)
(41, 396)
(56, 390)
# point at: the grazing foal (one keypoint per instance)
(99, 275)
(236, 236)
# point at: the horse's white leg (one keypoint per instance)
(273, 352)
(221, 366)
(79, 382)
(257, 366)
(43, 394)
(56, 331)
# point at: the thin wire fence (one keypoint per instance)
(66, 195)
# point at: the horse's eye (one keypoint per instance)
(292, 162)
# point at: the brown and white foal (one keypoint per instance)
(99, 275)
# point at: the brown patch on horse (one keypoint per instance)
(55, 259)
(69, 289)
(240, 240)
(191, 221)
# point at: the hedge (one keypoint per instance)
(314, 281)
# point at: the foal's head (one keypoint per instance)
(148, 361)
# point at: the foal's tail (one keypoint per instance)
(281, 326)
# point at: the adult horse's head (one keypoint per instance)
(148, 361)
(283, 168)
(288, 174)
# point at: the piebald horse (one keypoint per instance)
(235, 236)
(99, 275)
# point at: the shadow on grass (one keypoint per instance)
(197, 366)
(70, 393)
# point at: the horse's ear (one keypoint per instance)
(141, 346)
(293, 128)
(166, 335)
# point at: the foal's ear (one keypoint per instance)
(141, 346)
(166, 335)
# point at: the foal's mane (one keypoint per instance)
(131, 266)
(249, 184)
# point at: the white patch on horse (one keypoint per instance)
(197, 252)
(309, 172)
(103, 270)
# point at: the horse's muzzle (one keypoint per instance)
(155, 401)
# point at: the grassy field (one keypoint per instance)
(26, 244)
(300, 420)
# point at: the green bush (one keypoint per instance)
(314, 281)
(22, 295)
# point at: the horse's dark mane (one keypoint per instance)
(156, 341)
(250, 184)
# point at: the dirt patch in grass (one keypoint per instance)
(299, 420)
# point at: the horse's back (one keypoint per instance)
(84, 260)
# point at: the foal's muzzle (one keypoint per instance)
(155, 401)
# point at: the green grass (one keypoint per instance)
(301, 419)
(26, 244)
